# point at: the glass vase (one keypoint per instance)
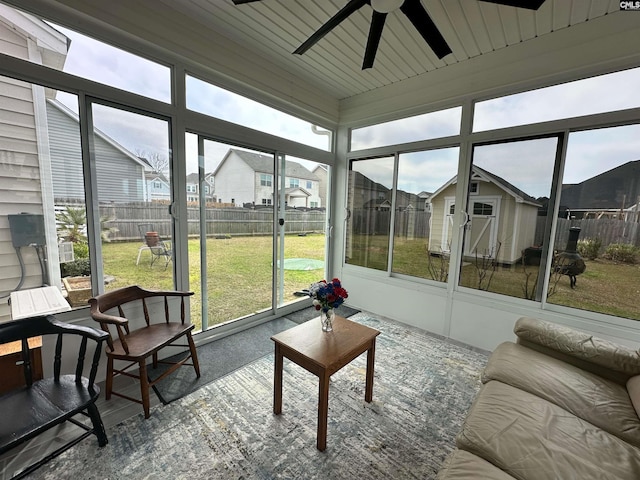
(326, 319)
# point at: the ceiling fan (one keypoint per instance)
(412, 9)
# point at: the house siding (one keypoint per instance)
(20, 189)
(120, 178)
(235, 180)
(66, 156)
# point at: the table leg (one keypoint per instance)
(277, 382)
(371, 353)
(323, 411)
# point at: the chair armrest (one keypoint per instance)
(112, 319)
(90, 332)
(167, 293)
(581, 349)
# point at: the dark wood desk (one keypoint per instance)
(11, 370)
(323, 354)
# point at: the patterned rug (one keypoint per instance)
(423, 388)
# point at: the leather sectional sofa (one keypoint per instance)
(555, 405)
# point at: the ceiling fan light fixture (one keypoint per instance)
(386, 6)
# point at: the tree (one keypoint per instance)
(158, 162)
(72, 225)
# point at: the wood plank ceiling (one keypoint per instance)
(275, 28)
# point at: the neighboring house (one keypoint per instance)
(158, 188)
(424, 199)
(502, 218)
(25, 173)
(364, 192)
(322, 172)
(369, 194)
(607, 194)
(193, 188)
(248, 178)
(121, 174)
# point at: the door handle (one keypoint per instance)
(466, 219)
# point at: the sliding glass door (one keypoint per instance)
(256, 229)
(302, 226)
(230, 194)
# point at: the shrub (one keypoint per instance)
(621, 252)
(80, 250)
(80, 267)
(589, 248)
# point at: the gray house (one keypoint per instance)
(158, 188)
(121, 174)
(193, 188)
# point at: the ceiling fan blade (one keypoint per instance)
(347, 10)
(375, 32)
(240, 2)
(530, 4)
(416, 13)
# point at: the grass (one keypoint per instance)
(239, 272)
(605, 287)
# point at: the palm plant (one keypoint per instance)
(72, 225)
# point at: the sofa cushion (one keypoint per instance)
(599, 401)
(529, 437)
(464, 465)
(633, 388)
(580, 347)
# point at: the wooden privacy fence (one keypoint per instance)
(126, 219)
(408, 223)
(608, 230)
(234, 221)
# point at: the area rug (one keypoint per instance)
(423, 388)
(217, 359)
(223, 356)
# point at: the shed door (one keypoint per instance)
(447, 223)
(482, 228)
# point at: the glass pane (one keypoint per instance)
(369, 200)
(504, 240)
(418, 249)
(131, 154)
(443, 123)
(605, 93)
(63, 49)
(230, 231)
(301, 243)
(597, 235)
(211, 100)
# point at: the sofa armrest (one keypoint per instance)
(604, 358)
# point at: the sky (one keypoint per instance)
(525, 164)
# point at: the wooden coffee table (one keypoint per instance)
(323, 354)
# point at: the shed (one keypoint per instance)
(502, 218)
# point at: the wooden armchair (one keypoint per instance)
(135, 346)
(41, 404)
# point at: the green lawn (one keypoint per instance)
(605, 287)
(238, 270)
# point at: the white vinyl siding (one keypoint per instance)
(19, 172)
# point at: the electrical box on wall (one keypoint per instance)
(27, 229)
